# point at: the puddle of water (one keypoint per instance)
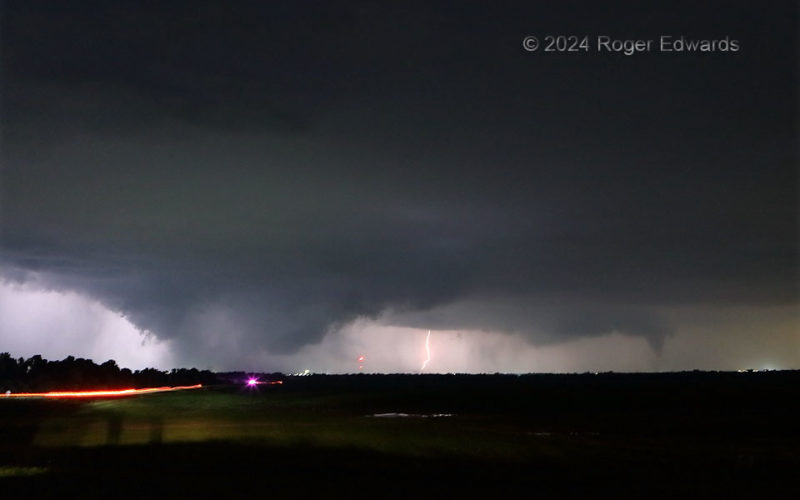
(411, 415)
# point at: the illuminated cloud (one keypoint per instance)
(371, 347)
(393, 349)
(60, 324)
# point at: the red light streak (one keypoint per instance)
(98, 394)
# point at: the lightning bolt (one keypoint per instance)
(427, 351)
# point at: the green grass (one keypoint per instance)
(6, 472)
(279, 419)
(204, 442)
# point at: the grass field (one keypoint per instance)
(501, 436)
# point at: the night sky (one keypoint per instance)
(289, 185)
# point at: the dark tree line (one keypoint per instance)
(37, 374)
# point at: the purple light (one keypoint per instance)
(251, 382)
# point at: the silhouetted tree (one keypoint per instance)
(38, 374)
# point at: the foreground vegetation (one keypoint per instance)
(416, 436)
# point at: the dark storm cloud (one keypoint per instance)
(280, 169)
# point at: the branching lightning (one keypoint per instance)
(427, 351)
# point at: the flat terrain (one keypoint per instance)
(669, 435)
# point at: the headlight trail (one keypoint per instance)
(97, 394)
(427, 351)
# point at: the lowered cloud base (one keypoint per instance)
(58, 324)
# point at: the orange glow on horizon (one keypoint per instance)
(98, 394)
